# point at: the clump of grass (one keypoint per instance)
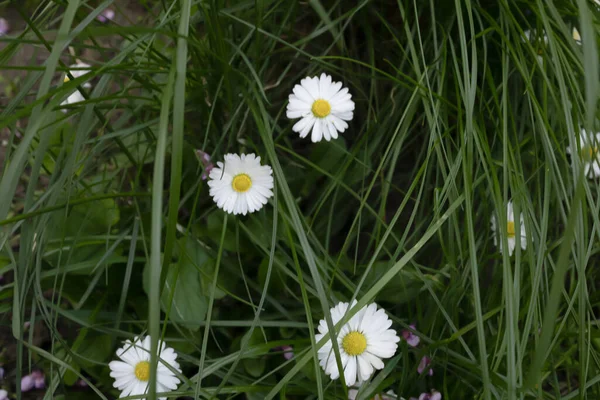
(109, 231)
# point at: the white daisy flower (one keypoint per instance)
(323, 106)
(241, 185)
(363, 342)
(133, 373)
(510, 230)
(76, 96)
(532, 36)
(589, 146)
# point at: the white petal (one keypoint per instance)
(365, 369)
(350, 371)
(302, 94)
(301, 125)
(375, 361)
(317, 133)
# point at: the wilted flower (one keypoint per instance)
(412, 339)
(423, 364)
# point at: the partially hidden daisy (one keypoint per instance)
(76, 70)
(240, 185)
(539, 45)
(576, 36)
(323, 106)
(363, 341)
(510, 231)
(589, 154)
(133, 372)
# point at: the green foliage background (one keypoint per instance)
(108, 231)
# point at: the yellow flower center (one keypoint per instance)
(354, 343)
(510, 229)
(142, 371)
(589, 153)
(241, 183)
(321, 108)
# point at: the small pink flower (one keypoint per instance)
(39, 379)
(81, 383)
(27, 383)
(106, 15)
(423, 364)
(3, 394)
(412, 339)
(35, 380)
(4, 27)
(288, 351)
(433, 395)
(205, 161)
